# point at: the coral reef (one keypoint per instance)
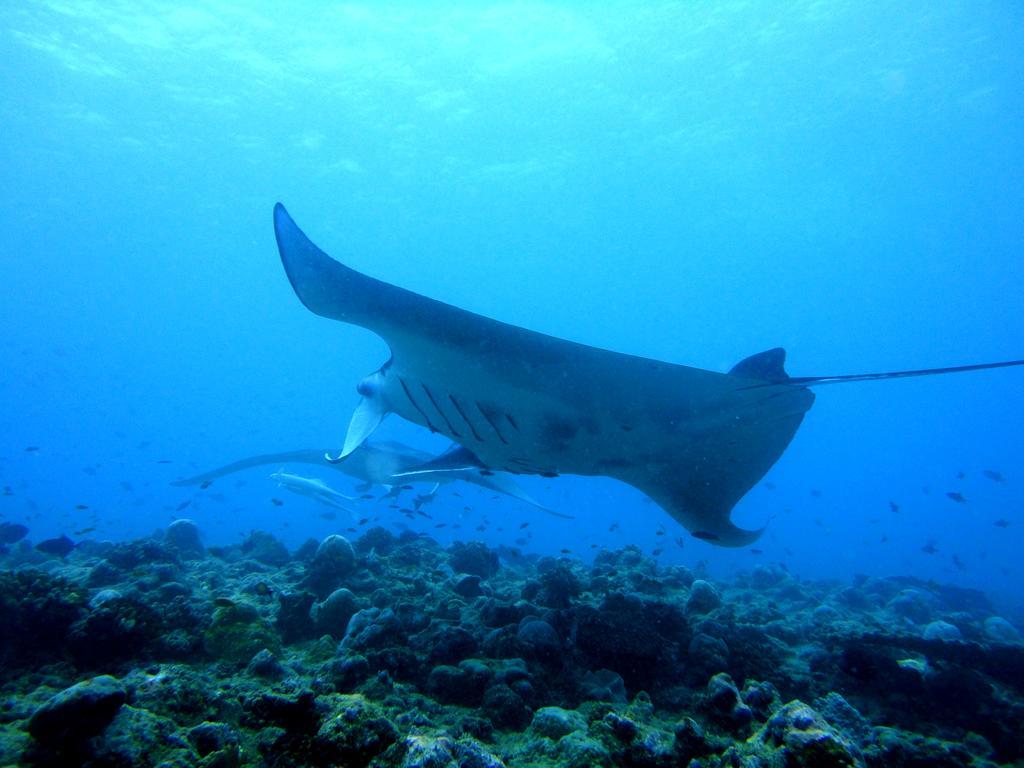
(392, 651)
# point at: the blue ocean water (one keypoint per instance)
(692, 182)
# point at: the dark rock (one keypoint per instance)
(999, 630)
(913, 604)
(377, 539)
(140, 739)
(899, 749)
(559, 587)
(306, 550)
(264, 548)
(638, 638)
(172, 589)
(555, 722)
(755, 653)
(679, 576)
(295, 714)
(499, 613)
(690, 743)
(36, 611)
(769, 575)
(538, 639)
(238, 632)
(941, 630)
(183, 535)
(476, 727)
(703, 598)
(373, 628)
(294, 622)
(650, 748)
(603, 685)
(853, 597)
(723, 703)
(452, 644)
(501, 643)
(474, 558)
(353, 733)
(332, 616)
(838, 712)
(104, 596)
(530, 590)
(412, 616)
(505, 708)
(363, 582)
(807, 740)
(334, 560)
(143, 552)
(348, 672)
(103, 574)
(78, 712)
(396, 661)
(177, 692)
(265, 664)
(706, 656)
(119, 629)
(762, 698)
(422, 751)
(468, 585)
(464, 684)
(210, 737)
(623, 728)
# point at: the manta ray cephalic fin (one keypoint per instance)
(365, 419)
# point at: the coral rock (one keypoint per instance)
(999, 630)
(78, 712)
(555, 722)
(183, 535)
(941, 630)
(332, 616)
(704, 598)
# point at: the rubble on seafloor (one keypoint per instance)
(393, 651)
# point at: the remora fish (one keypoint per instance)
(313, 488)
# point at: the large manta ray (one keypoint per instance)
(695, 441)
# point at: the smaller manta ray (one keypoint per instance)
(315, 489)
(386, 463)
(514, 400)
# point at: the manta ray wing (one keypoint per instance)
(695, 441)
(301, 456)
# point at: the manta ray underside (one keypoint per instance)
(518, 401)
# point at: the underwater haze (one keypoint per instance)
(184, 579)
(691, 182)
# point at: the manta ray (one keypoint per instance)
(514, 400)
(387, 462)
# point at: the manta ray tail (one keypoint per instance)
(817, 380)
(767, 366)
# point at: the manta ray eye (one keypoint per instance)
(367, 387)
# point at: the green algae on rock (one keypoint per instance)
(238, 632)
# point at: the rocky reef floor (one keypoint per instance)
(393, 651)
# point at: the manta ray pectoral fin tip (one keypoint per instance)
(728, 535)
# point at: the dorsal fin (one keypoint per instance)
(766, 366)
